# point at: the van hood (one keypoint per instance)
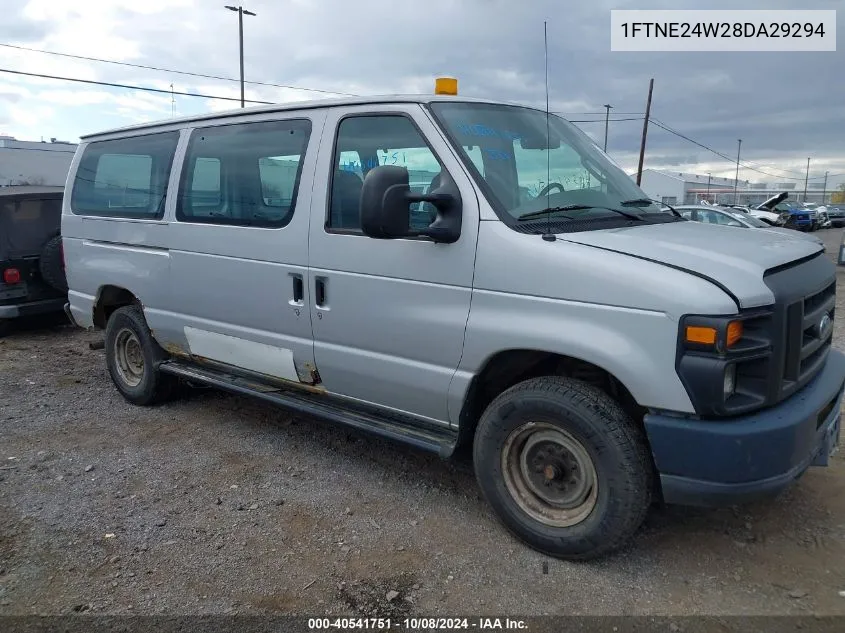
(732, 258)
(795, 235)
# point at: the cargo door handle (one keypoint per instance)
(320, 292)
(298, 289)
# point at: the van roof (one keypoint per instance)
(297, 105)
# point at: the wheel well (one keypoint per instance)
(510, 367)
(109, 299)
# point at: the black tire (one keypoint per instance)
(133, 357)
(5, 327)
(52, 265)
(618, 451)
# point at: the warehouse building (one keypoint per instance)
(686, 188)
(34, 163)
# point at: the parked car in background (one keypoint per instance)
(822, 218)
(732, 217)
(769, 217)
(32, 279)
(836, 215)
(816, 213)
(793, 215)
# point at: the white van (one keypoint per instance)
(595, 351)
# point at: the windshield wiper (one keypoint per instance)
(637, 202)
(643, 202)
(544, 212)
(533, 215)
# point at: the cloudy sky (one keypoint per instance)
(784, 106)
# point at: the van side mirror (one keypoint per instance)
(386, 199)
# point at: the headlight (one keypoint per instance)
(725, 361)
(730, 381)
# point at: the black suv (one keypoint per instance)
(32, 276)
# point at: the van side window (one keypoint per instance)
(364, 142)
(246, 174)
(125, 177)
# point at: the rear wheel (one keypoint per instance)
(133, 356)
(51, 264)
(564, 467)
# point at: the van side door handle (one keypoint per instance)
(320, 292)
(298, 289)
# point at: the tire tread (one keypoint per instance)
(630, 507)
(162, 387)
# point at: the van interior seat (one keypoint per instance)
(346, 200)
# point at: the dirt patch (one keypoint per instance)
(383, 598)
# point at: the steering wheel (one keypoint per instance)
(549, 187)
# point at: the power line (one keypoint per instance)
(791, 171)
(687, 138)
(177, 72)
(636, 118)
(597, 113)
(130, 87)
(728, 158)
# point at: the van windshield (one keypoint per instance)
(523, 168)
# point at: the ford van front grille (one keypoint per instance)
(802, 327)
(809, 333)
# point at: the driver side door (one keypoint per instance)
(389, 316)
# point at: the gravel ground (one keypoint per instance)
(217, 504)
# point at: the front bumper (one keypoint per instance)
(31, 308)
(799, 224)
(721, 462)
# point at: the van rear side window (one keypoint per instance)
(245, 174)
(125, 178)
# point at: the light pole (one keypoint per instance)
(241, 13)
(606, 120)
(806, 178)
(736, 178)
(824, 188)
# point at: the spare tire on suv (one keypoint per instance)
(51, 264)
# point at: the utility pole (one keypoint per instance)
(241, 13)
(645, 131)
(824, 189)
(606, 120)
(708, 187)
(736, 177)
(806, 178)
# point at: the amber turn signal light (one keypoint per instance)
(701, 335)
(734, 332)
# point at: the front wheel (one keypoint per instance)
(564, 467)
(133, 356)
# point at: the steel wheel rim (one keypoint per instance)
(549, 474)
(129, 357)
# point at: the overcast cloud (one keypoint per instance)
(784, 106)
